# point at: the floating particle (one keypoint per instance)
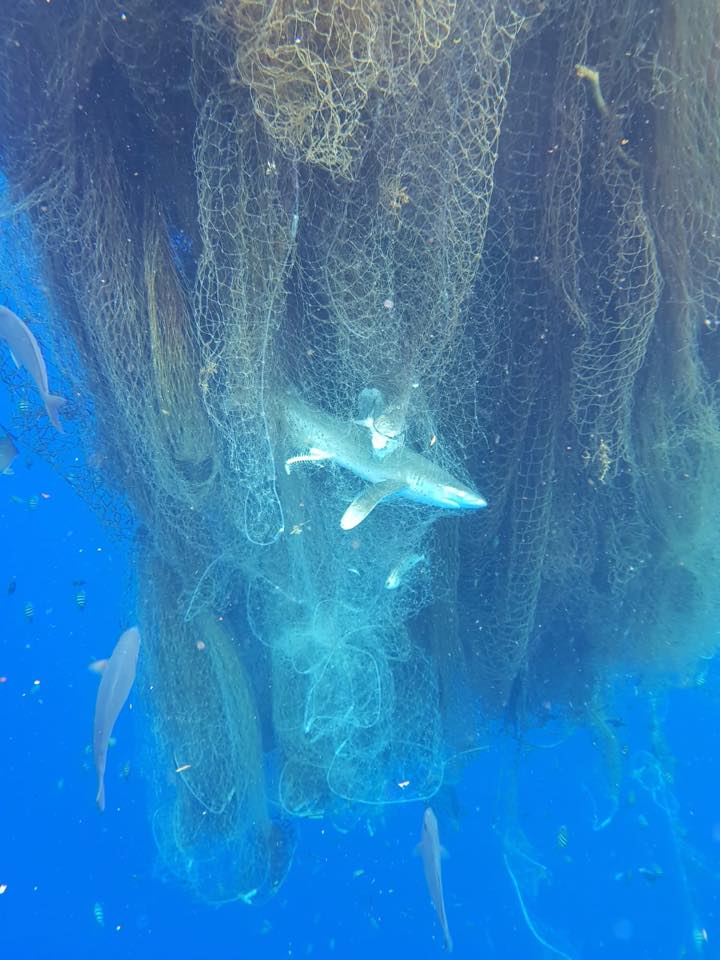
(183, 767)
(29, 611)
(388, 304)
(45, 496)
(3, 679)
(99, 914)
(81, 599)
(3, 888)
(403, 784)
(563, 837)
(358, 873)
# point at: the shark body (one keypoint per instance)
(402, 472)
(432, 852)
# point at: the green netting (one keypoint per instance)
(483, 234)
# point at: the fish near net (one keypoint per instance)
(448, 230)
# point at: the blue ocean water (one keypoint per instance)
(77, 883)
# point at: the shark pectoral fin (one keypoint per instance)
(314, 456)
(366, 502)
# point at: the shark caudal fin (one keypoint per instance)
(53, 405)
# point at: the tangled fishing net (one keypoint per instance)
(493, 230)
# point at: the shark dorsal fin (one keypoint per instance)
(366, 502)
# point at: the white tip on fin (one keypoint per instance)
(366, 502)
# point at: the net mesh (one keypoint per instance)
(489, 233)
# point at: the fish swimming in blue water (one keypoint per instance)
(431, 852)
(117, 680)
(25, 351)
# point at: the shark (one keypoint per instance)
(432, 853)
(401, 473)
(25, 351)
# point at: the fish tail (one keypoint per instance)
(100, 799)
(53, 404)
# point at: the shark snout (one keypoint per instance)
(461, 498)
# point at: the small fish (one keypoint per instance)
(563, 837)
(99, 914)
(114, 689)
(651, 873)
(29, 612)
(431, 853)
(402, 569)
(81, 599)
(25, 351)
(8, 452)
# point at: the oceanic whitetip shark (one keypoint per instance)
(401, 473)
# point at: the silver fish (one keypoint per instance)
(117, 679)
(26, 353)
(402, 569)
(402, 472)
(431, 853)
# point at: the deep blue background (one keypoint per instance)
(354, 894)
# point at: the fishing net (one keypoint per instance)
(486, 234)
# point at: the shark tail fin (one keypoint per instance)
(53, 405)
